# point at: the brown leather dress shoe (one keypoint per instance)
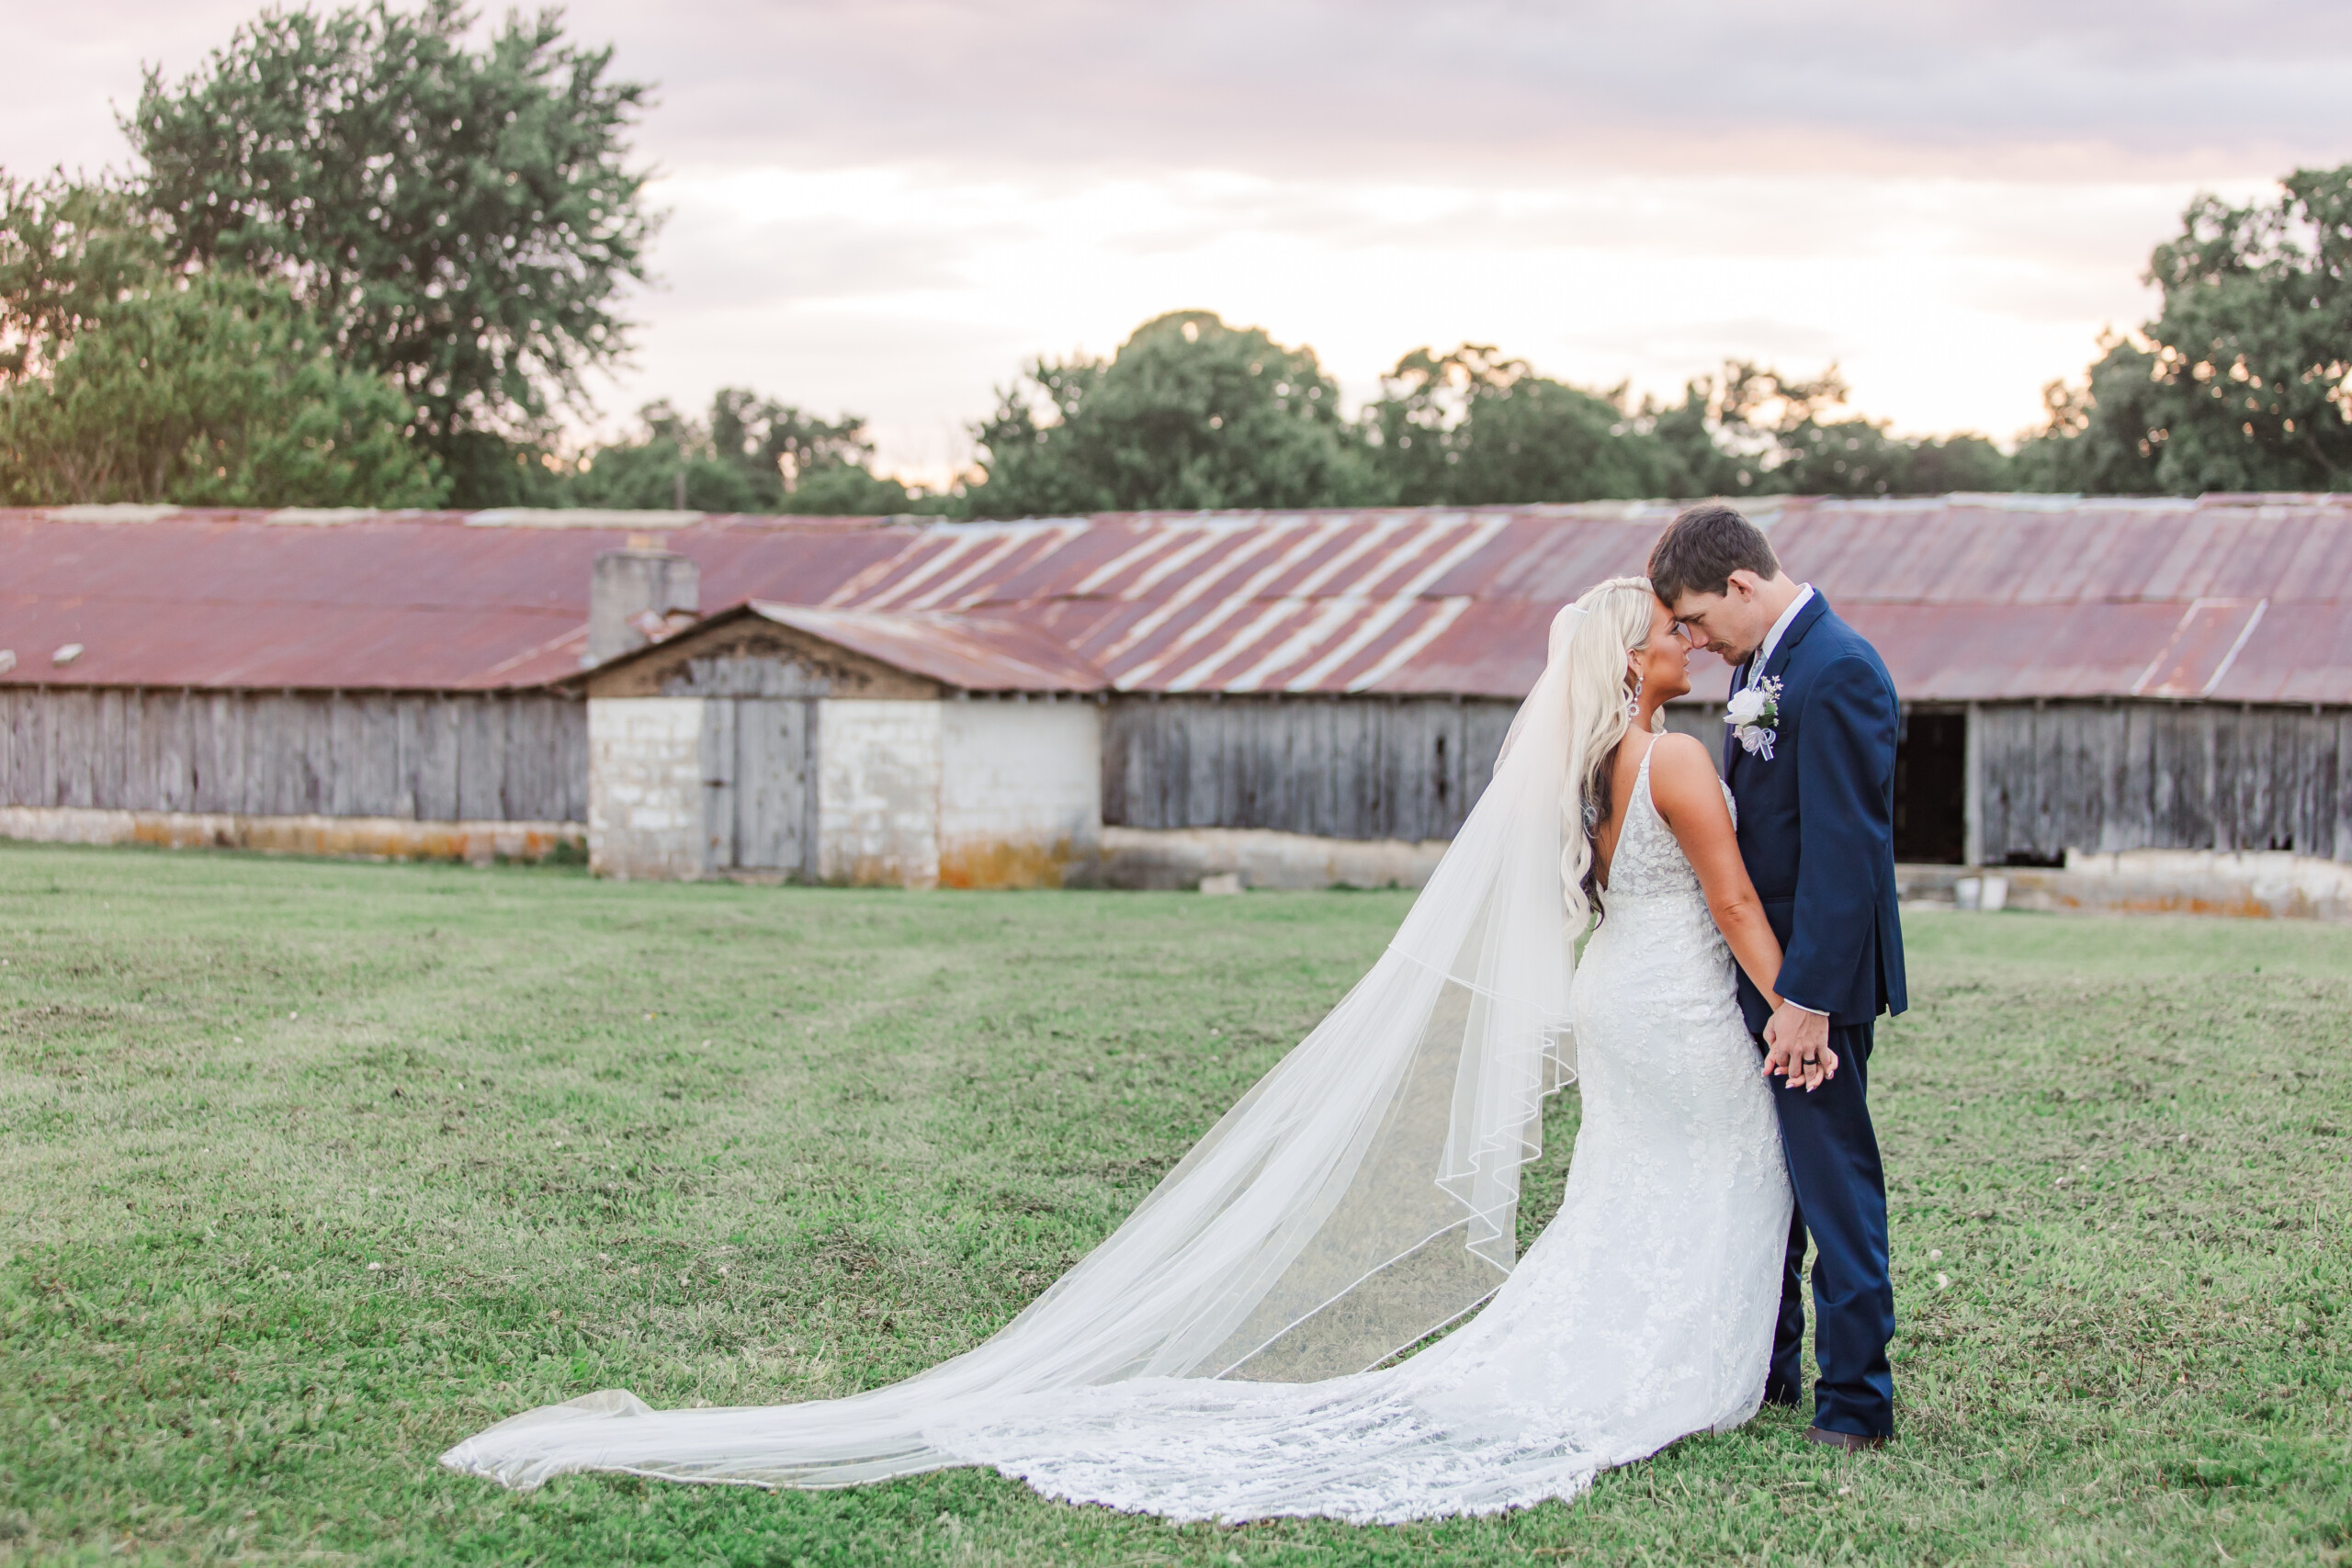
(1853, 1443)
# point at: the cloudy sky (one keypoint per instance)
(884, 206)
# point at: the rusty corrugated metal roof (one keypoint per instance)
(975, 652)
(415, 602)
(2233, 598)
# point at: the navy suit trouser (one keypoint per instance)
(1841, 1204)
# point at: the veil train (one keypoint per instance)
(1361, 1196)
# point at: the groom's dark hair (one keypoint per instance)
(1702, 547)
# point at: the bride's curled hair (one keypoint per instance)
(1618, 615)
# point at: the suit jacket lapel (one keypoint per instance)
(1807, 618)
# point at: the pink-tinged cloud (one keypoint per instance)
(885, 204)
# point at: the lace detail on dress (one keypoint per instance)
(1642, 1315)
(1649, 860)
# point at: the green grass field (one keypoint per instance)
(308, 1170)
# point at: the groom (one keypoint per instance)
(1811, 761)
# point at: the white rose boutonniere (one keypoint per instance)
(1754, 713)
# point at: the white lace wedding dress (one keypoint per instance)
(1644, 1312)
(1208, 1359)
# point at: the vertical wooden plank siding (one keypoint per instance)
(2044, 779)
(770, 778)
(407, 742)
(432, 757)
(2152, 776)
(180, 753)
(1346, 768)
(311, 722)
(720, 783)
(436, 761)
(2082, 776)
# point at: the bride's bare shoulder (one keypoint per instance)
(1682, 768)
(1682, 754)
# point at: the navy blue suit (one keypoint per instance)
(1816, 829)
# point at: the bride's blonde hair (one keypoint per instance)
(1617, 618)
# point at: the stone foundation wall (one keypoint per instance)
(356, 837)
(2261, 884)
(1180, 857)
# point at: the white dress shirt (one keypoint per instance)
(1756, 673)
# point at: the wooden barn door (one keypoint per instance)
(759, 756)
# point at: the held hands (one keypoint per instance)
(1797, 1047)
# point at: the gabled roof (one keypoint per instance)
(2235, 598)
(970, 653)
(975, 653)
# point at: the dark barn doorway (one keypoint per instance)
(1931, 789)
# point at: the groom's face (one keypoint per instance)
(1731, 625)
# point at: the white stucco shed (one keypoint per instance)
(847, 747)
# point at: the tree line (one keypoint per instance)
(359, 260)
(1191, 413)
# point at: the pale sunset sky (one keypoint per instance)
(885, 207)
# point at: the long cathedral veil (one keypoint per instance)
(1362, 1195)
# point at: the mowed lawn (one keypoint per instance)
(308, 1170)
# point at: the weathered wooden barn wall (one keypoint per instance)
(1353, 767)
(492, 756)
(2153, 775)
(2088, 776)
(1363, 767)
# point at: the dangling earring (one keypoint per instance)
(1633, 700)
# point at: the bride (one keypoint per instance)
(1233, 1350)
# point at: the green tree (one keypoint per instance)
(461, 218)
(1751, 430)
(1189, 412)
(69, 251)
(2254, 346)
(1841, 457)
(1943, 464)
(2243, 379)
(669, 464)
(752, 454)
(815, 466)
(849, 489)
(209, 389)
(1727, 434)
(1473, 428)
(2106, 436)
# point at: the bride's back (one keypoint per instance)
(1640, 855)
(1625, 783)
